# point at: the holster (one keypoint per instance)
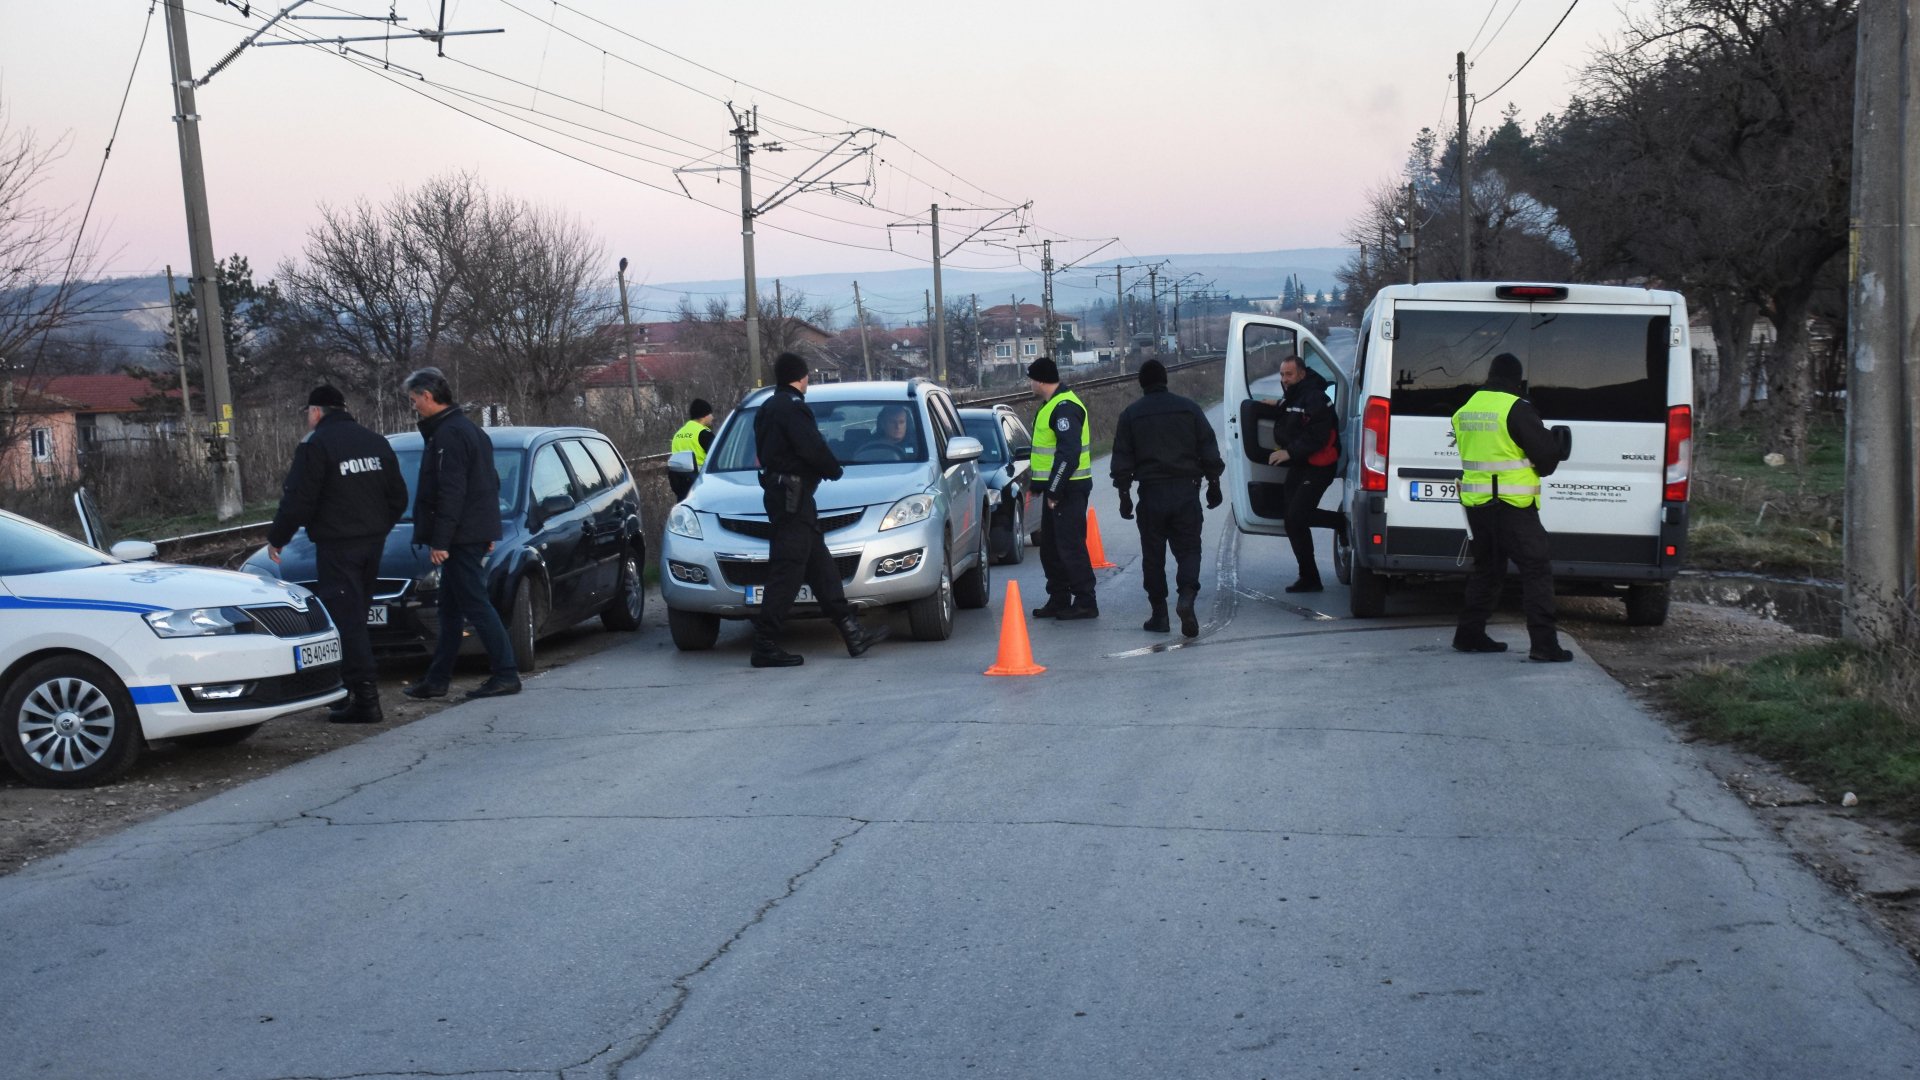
(792, 489)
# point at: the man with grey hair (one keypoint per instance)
(456, 515)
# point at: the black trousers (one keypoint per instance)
(1301, 490)
(1502, 532)
(798, 554)
(1169, 516)
(681, 483)
(1063, 545)
(348, 572)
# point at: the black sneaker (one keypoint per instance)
(494, 687)
(776, 657)
(1555, 655)
(423, 690)
(1303, 585)
(1079, 611)
(1157, 622)
(1481, 644)
(1050, 610)
(1189, 621)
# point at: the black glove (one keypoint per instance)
(1213, 493)
(1126, 503)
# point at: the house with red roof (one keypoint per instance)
(52, 425)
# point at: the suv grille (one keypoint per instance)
(743, 572)
(284, 620)
(762, 529)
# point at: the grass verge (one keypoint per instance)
(166, 526)
(1778, 520)
(1841, 717)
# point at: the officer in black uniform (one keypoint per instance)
(346, 490)
(794, 459)
(1164, 441)
(1063, 476)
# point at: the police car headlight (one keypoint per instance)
(200, 622)
(912, 509)
(684, 522)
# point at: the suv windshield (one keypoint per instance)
(1579, 366)
(506, 462)
(34, 549)
(858, 433)
(987, 430)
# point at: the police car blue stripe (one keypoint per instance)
(55, 603)
(152, 695)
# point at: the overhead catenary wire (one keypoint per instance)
(1536, 51)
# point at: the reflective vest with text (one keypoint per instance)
(1491, 463)
(1045, 439)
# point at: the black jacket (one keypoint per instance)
(457, 499)
(790, 445)
(1306, 418)
(1163, 436)
(344, 484)
(1527, 430)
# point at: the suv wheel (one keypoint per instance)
(693, 631)
(931, 617)
(67, 722)
(975, 587)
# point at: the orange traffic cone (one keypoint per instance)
(1016, 653)
(1096, 551)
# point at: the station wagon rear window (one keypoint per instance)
(1579, 365)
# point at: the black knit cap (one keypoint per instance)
(1505, 367)
(1152, 373)
(1043, 370)
(698, 408)
(328, 396)
(788, 368)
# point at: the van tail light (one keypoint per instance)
(1373, 445)
(1679, 452)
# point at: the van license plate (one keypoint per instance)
(1430, 491)
(316, 654)
(757, 594)
(377, 615)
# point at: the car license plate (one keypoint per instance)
(1432, 491)
(377, 615)
(316, 654)
(757, 594)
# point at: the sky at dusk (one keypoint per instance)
(1211, 126)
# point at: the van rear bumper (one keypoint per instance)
(1589, 557)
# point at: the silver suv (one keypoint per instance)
(907, 523)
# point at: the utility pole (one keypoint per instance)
(1410, 240)
(860, 312)
(746, 126)
(1046, 296)
(939, 330)
(1176, 320)
(1013, 303)
(979, 361)
(633, 365)
(204, 280)
(1153, 294)
(1466, 176)
(180, 354)
(928, 293)
(1120, 315)
(779, 316)
(1883, 376)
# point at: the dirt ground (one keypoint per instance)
(1857, 853)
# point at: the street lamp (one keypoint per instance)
(1409, 248)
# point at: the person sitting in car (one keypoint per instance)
(894, 432)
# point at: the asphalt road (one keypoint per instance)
(1301, 846)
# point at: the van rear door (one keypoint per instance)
(1255, 346)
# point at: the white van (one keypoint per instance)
(1611, 365)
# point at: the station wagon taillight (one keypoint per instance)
(1373, 445)
(1679, 452)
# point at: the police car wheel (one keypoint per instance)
(629, 598)
(68, 722)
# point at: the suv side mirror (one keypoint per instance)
(963, 448)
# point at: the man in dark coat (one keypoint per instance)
(794, 459)
(456, 516)
(1310, 448)
(1164, 442)
(345, 489)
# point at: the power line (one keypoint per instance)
(1497, 30)
(1491, 8)
(1535, 52)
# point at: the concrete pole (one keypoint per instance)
(180, 354)
(979, 359)
(1466, 177)
(743, 153)
(939, 306)
(860, 312)
(1884, 278)
(1046, 297)
(205, 280)
(633, 365)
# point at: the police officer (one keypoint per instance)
(1063, 473)
(794, 459)
(1504, 451)
(345, 489)
(1309, 447)
(1164, 441)
(694, 437)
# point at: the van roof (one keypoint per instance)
(1482, 292)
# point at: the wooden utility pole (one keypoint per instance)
(1466, 176)
(204, 280)
(746, 126)
(860, 312)
(1883, 376)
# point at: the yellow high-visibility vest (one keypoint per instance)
(1045, 438)
(1491, 463)
(688, 438)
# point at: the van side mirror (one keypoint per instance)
(1563, 440)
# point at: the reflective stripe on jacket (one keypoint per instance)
(1491, 463)
(688, 438)
(1045, 439)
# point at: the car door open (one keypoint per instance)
(1256, 344)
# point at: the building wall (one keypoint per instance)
(19, 467)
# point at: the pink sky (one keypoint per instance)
(1217, 126)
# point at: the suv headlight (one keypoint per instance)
(912, 509)
(684, 522)
(199, 622)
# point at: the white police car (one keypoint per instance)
(99, 655)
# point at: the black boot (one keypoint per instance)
(1052, 608)
(858, 638)
(1476, 643)
(1157, 622)
(768, 654)
(363, 705)
(1189, 621)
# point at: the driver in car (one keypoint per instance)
(893, 431)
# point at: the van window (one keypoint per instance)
(1263, 347)
(1579, 366)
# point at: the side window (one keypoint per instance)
(1017, 436)
(605, 456)
(1262, 348)
(586, 474)
(549, 477)
(946, 422)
